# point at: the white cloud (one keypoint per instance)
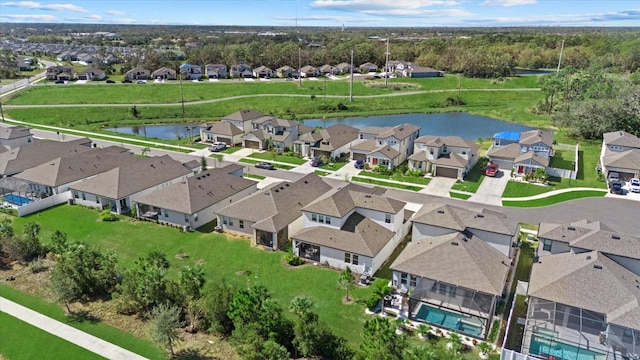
(116, 12)
(93, 17)
(39, 6)
(48, 18)
(419, 13)
(508, 2)
(359, 5)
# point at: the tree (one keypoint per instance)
(135, 112)
(217, 308)
(143, 287)
(6, 228)
(144, 151)
(203, 164)
(163, 326)
(345, 282)
(380, 341)
(64, 288)
(191, 284)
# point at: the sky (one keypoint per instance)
(335, 13)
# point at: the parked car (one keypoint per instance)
(359, 164)
(615, 187)
(634, 185)
(217, 146)
(60, 82)
(126, 81)
(265, 165)
(315, 162)
(613, 176)
(491, 170)
(110, 82)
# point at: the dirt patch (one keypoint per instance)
(200, 261)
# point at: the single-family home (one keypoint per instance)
(263, 72)
(190, 71)
(12, 137)
(280, 133)
(416, 71)
(271, 215)
(119, 187)
(194, 202)
(368, 67)
(164, 73)
(454, 281)
(620, 153)
(353, 226)
(286, 71)
(243, 119)
(335, 141)
(309, 71)
(241, 70)
(447, 156)
(91, 74)
(25, 157)
(328, 70)
(59, 72)
(385, 146)
(137, 73)
(306, 140)
(221, 131)
(111, 59)
(215, 71)
(582, 304)
(344, 68)
(87, 59)
(523, 152)
(24, 63)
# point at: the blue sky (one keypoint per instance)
(354, 13)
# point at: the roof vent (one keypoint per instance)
(572, 228)
(596, 266)
(276, 190)
(454, 243)
(281, 187)
(465, 239)
(368, 196)
(306, 182)
(440, 211)
(266, 193)
(480, 216)
(199, 177)
(615, 237)
(287, 184)
(589, 257)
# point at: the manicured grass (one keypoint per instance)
(563, 159)
(516, 331)
(523, 189)
(223, 258)
(385, 272)
(554, 199)
(335, 165)
(231, 149)
(473, 180)
(271, 156)
(386, 183)
(456, 195)
(397, 177)
(254, 176)
(217, 156)
(276, 165)
(103, 331)
(321, 173)
(19, 340)
(529, 226)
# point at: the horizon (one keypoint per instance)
(329, 13)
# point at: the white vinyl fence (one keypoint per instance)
(45, 203)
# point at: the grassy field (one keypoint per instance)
(473, 180)
(231, 150)
(223, 258)
(516, 189)
(276, 165)
(385, 183)
(18, 340)
(272, 156)
(558, 198)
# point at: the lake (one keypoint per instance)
(442, 124)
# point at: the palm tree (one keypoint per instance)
(300, 305)
(485, 349)
(345, 282)
(455, 343)
(423, 330)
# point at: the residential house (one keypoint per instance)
(119, 187)
(280, 133)
(306, 140)
(416, 71)
(582, 303)
(215, 71)
(385, 146)
(344, 68)
(271, 215)
(111, 59)
(87, 59)
(190, 72)
(309, 71)
(353, 226)
(221, 131)
(368, 67)
(91, 74)
(24, 63)
(12, 137)
(328, 70)
(243, 119)
(57, 175)
(241, 71)
(59, 72)
(137, 73)
(263, 72)
(523, 152)
(19, 159)
(164, 73)
(194, 202)
(620, 153)
(286, 72)
(447, 156)
(456, 276)
(335, 142)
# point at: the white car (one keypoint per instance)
(634, 185)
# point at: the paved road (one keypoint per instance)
(66, 332)
(17, 85)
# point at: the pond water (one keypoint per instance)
(454, 124)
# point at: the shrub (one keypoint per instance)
(342, 107)
(495, 328)
(415, 173)
(292, 259)
(381, 170)
(107, 215)
(372, 302)
(37, 266)
(454, 101)
(500, 307)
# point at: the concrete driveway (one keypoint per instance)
(491, 189)
(439, 186)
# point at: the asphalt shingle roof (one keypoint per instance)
(621, 138)
(341, 202)
(459, 219)
(28, 156)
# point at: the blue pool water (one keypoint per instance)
(16, 199)
(561, 351)
(450, 320)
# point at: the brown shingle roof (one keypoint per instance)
(243, 115)
(533, 157)
(510, 151)
(534, 136)
(456, 141)
(459, 219)
(452, 159)
(338, 135)
(366, 145)
(14, 132)
(629, 159)
(400, 132)
(223, 128)
(621, 138)
(341, 202)
(25, 157)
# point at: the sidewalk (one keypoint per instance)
(66, 332)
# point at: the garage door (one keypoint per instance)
(225, 140)
(447, 172)
(357, 156)
(625, 176)
(505, 165)
(252, 144)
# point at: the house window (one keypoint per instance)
(195, 217)
(186, 219)
(166, 214)
(452, 291)
(413, 281)
(230, 221)
(387, 218)
(75, 194)
(443, 289)
(327, 220)
(403, 278)
(97, 200)
(354, 259)
(361, 136)
(347, 258)
(464, 153)
(444, 148)
(224, 220)
(546, 245)
(321, 219)
(314, 217)
(84, 196)
(241, 224)
(431, 151)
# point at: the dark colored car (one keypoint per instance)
(125, 81)
(60, 82)
(265, 165)
(615, 187)
(359, 164)
(315, 162)
(110, 82)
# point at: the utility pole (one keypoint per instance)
(386, 66)
(299, 67)
(181, 92)
(1, 111)
(560, 59)
(325, 89)
(351, 82)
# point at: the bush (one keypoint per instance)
(382, 170)
(37, 266)
(454, 101)
(107, 215)
(372, 301)
(342, 107)
(414, 173)
(500, 307)
(292, 260)
(495, 328)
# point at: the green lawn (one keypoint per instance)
(321, 173)
(473, 179)
(334, 165)
(254, 176)
(103, 331)
(397, 177)
(276, 165)
(563, 159)
(456, 195)
(231, 149)
(523, 189)
(558, 198)
(272, 156)
(386, 183)
(19, 340)
(223, 258)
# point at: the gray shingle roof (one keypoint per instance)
(28, 156)
(459, 219)
(629, 159)
(510, 151)
(400, 132)
(590, 281)
(341, 202)
(468, 262)
(452, 159)
(387, 151)
(338, 135)
(278, 205)
(14, 132)
(223, 128)
(366, 145)
(621, 138)
(243, 115)
(533, 157)
(358, 235)
(535, 136)
(198, 192)
(438, 141)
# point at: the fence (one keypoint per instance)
(42, 204)
(566, 173)
(507, 354)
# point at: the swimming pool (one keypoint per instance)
(561, 351)
(464, 324)
(17, 199)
